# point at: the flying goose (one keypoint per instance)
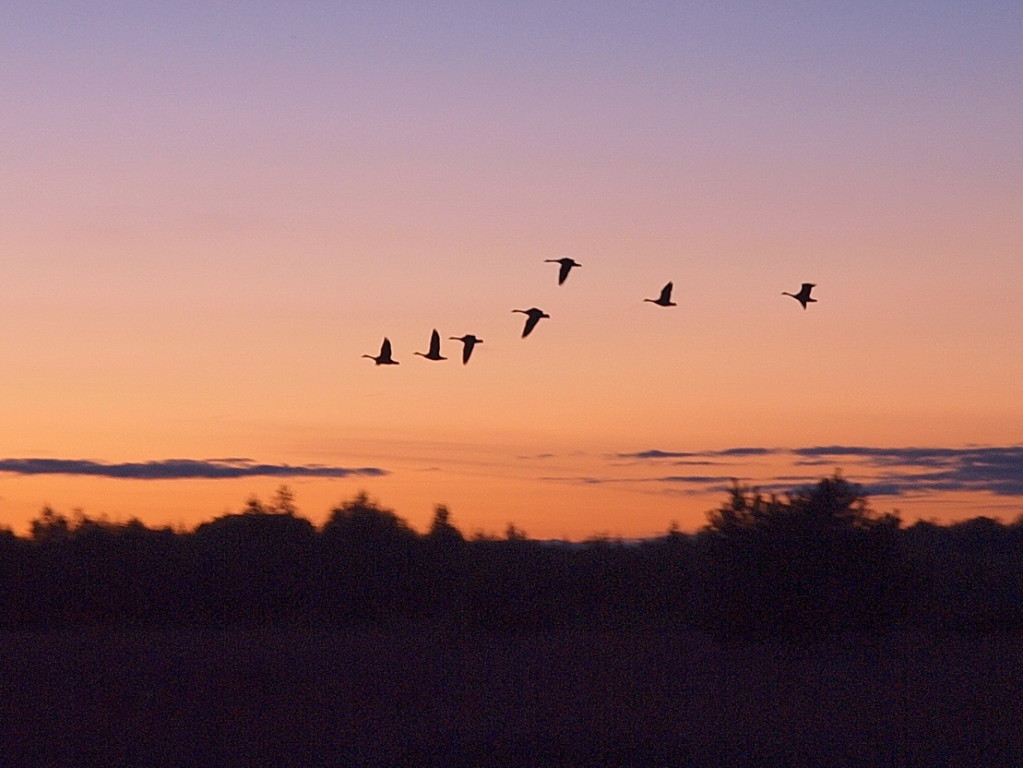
(533, 317)
(664, 300)
(469, 341)
(434, 353)
(384, 358)
(566, 267)
(803, 297)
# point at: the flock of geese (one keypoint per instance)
(534, 315)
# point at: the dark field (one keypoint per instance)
(443, 698)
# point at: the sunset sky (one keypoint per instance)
(210, 211)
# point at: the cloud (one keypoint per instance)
(582, 480)
(891, 471)
(997, 469)
(657, 454)
(690, 479)
(179, 469)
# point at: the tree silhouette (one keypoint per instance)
(361, 521)
(367, 554)
(15, 562)
(441, 529)
(968, 575)
(816, 560)
(256, 567)
(50, 526)
(283, 501)
(819, 561)
(443, 570)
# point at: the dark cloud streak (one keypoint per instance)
(179, 469)
(897, 471)
(656, 454)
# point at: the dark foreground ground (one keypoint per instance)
(434, 698)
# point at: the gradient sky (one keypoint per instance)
(211, 210)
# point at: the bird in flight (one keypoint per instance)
(803, 297)
(664, 300)
(469, 341)
(533, 316)
(434, 353)
(384, 358)
(566, 267)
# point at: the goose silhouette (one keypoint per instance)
(566, 267)
(803, 297)
(533, 316)
(434, 353)
(664, 300)
(384, 358)
(469, 341)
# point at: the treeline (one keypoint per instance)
(816, 561)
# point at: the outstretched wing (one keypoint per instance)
(566, 266)
(666, 293)
(531, 321)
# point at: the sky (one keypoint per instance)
(210, 212)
